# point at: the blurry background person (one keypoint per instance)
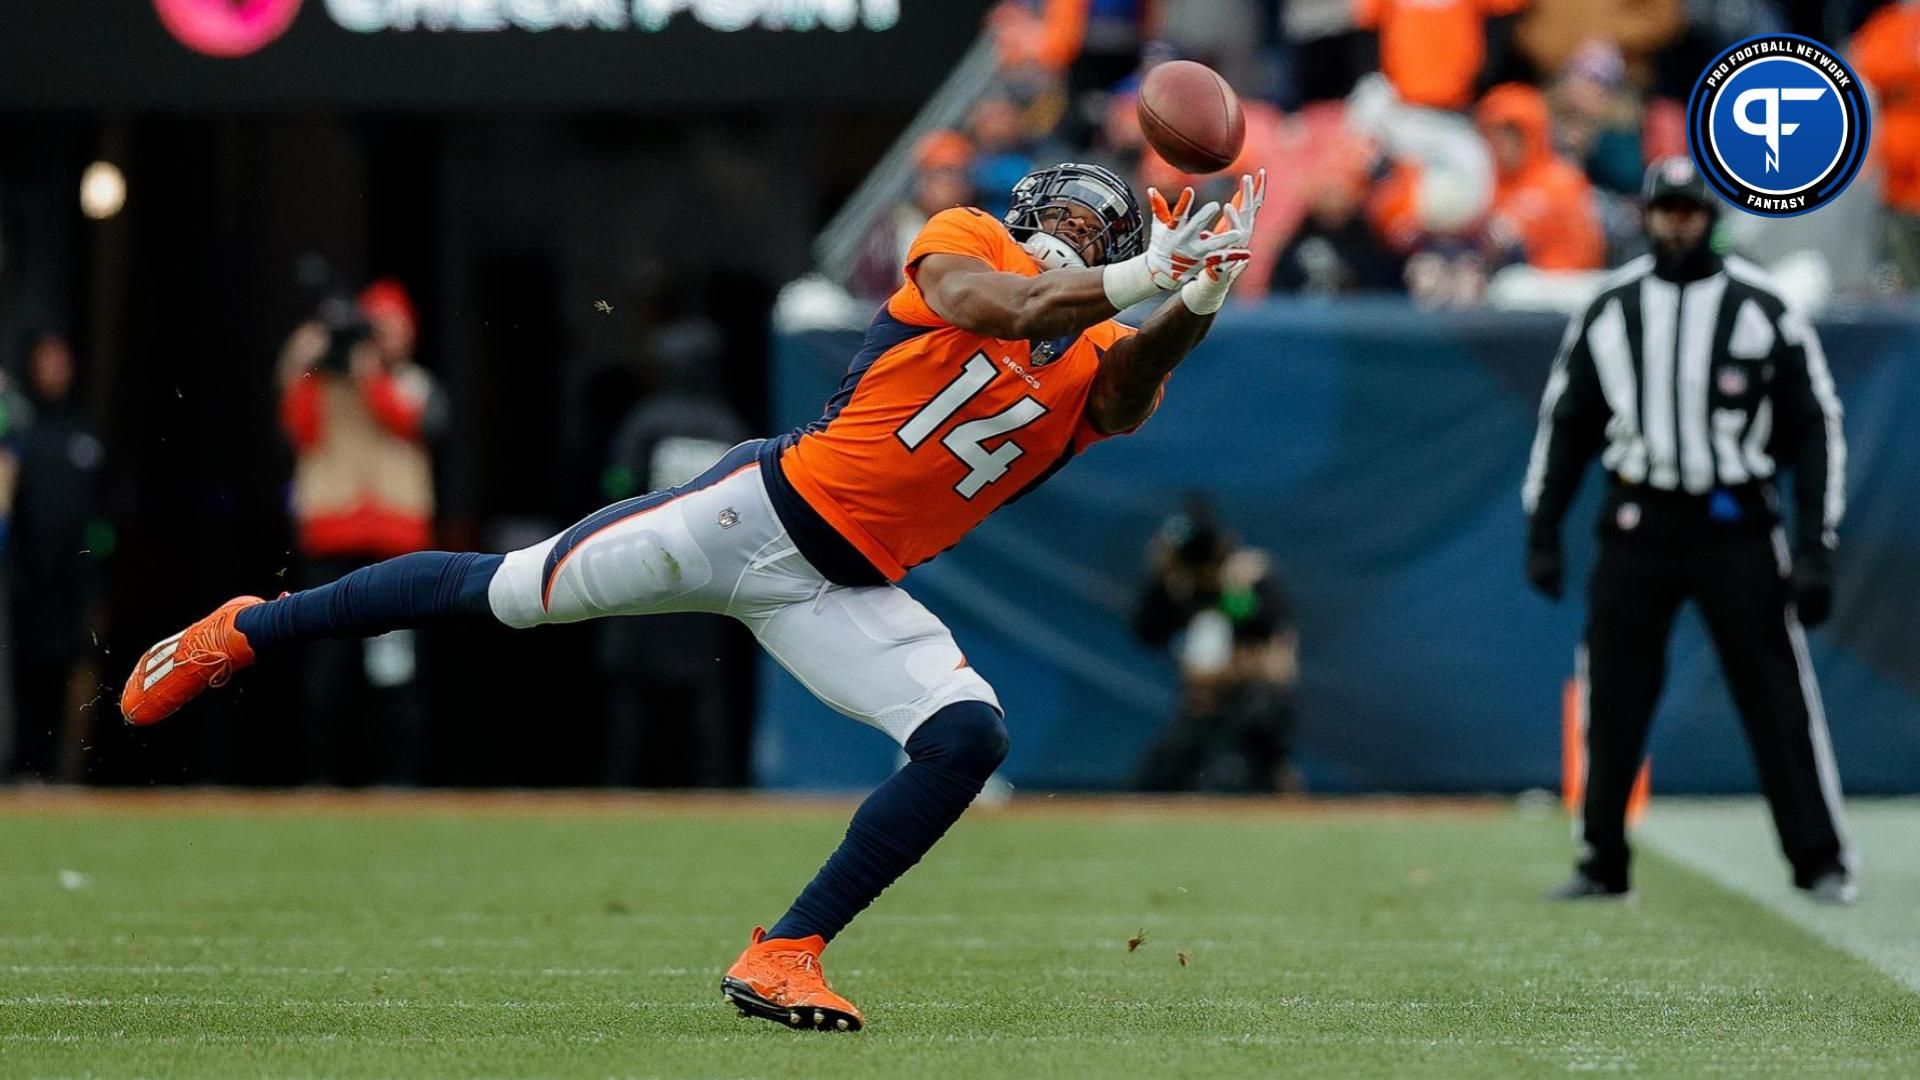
(1434, 51)
(1596, 126)
(54, 567)
(1218, 607)
(16, 417)
(667, 675)
(361, 415)
(1596, 117)
(1335, 250)
(1550, 34)
(1002, 153)
(1543, 209)
(1086, 45)
(1886, 53)
(941, 181)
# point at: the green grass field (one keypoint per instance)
(576, 938)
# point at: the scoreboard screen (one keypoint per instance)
(645, 55)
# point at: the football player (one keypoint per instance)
(993, 365)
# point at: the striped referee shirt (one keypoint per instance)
(1691, 386)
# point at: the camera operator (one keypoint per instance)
(361, 416)
(1219, 608)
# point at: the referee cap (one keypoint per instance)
(1676, 178)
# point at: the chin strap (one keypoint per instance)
(1053, 253)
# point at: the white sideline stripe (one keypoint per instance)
(1732, 842)
(156, 675)
(160, 653)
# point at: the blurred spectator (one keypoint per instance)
(1096, 43)
(1543, 207)
(1710, 26)
(16, 417)
(1435, 186)
(668, 676)
(1218, 606)
(1432, 50)
(1438, 175)
(1322, 51)
(1886, 53)
(1596, 118)
(1551, 33)
(1085, 47)
(54, 567)
(1335, 250)
(1120, 145)
(941, 182)
(361, 415)
(1001, 151)
(1225, 35)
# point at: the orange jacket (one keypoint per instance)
(1546, 203)
(1432, 50)
(363, 482)
(1886, 53)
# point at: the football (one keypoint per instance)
(1191, 117)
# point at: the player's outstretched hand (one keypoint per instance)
(1181, 241)
(1244, 207)
(1207, 291)
(1186, 247)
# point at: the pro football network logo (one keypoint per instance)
(1778, 125)
(227, 28)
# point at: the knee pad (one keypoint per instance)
(968, 737)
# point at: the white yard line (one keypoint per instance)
(1732, 841)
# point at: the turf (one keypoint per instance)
(410, 939)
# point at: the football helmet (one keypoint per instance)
(1042, 196)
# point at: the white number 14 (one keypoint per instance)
(967, 440)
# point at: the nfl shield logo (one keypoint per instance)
(728, 519)
(1733, 381)
(1627, 517)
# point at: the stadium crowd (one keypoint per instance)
(1461, 151)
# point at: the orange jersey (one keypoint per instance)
(934, 427)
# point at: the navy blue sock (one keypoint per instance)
(412, 590)
(951, 756)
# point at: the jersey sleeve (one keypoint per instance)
(1102, 338)
(1572, 427)
(962, 230)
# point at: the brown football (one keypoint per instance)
(1191, 116)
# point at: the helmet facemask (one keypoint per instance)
(1043, 199)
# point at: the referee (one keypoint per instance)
(1693, 382)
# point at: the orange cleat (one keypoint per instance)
(780, 979)
(178, 668)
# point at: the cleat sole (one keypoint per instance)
(742, 997)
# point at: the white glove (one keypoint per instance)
(1207, 291)
(1176, 247)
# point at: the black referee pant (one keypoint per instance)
(1657, 550)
